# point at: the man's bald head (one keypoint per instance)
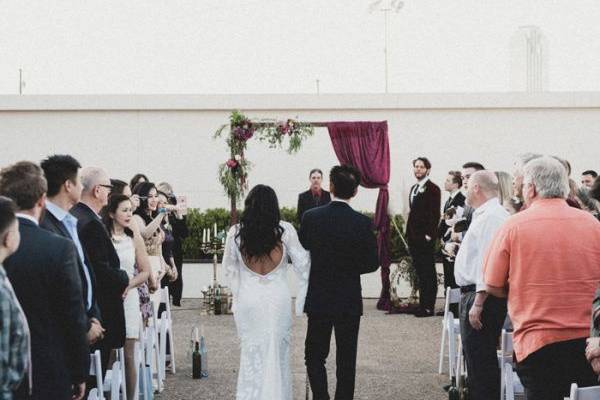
(483, 185)
(96, 187)
(92, 177)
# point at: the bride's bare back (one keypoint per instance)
(264, 265)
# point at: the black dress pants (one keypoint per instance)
(176, 287)
(424, 264)
(549, 372)
(479, 346)
(318, 337)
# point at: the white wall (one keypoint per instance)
(169, 137)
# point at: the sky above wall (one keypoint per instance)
(262, 46)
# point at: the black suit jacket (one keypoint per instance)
(306, 201)
(44, 275)
(457, 201)
(342, 247)
(424, 216)
(111, 280)
(52, 224)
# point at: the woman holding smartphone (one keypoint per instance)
(149, 217)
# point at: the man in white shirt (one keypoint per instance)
(481, 315)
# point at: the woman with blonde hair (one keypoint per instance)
(505, 186)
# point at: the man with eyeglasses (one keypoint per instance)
(111, 280)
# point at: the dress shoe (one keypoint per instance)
(440, 313)
(422, 313)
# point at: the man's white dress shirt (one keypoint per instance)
(468, 267)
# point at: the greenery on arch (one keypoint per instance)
(233, 173)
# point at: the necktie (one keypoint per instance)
(448, 202)
(414, 193)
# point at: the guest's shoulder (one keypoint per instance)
(304, 194)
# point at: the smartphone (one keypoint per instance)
(182, 204)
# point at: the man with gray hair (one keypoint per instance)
(111, 280)
(550, 254)
(481, 315)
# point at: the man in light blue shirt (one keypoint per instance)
(64, 191)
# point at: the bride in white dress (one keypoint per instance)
(256, 263)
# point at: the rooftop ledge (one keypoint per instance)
(268, 102)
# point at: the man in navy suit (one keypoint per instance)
(422, 232)
(45, 278)
(342, 246)
(64, 191)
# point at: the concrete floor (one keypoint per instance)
(397, 357)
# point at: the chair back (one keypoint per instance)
(164, 298)
(96, 370)
(587, 393)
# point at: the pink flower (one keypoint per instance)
(231, 163)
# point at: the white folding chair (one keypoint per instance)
(166, 330)
(513, 389)
(505, 358)
(138, 359)
(121, 359)
(153, 347)
(452, 297)
(112, 381)
(96, 370)
(587, 393)
(93, 395)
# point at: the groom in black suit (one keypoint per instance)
(342, 247)
(422, 232)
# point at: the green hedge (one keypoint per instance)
(197, 221)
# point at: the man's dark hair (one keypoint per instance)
(424, 160)
(312, 171)
(7, 214)
(595, 189)
(118, 186)
(24, 183)
(136, 179)
(475, 165)
(456, 177)
(590, 172)
(345, 179)
(58, 169)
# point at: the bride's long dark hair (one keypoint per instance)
(260, 231)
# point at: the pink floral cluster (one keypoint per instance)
(244, 131)
(233, 163)
(285, 128)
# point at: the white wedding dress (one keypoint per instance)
(262, 308)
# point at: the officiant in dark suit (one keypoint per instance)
(422, 232)
(342, 246)
(315, 196)
(45, 278)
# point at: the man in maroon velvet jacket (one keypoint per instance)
(421, 233)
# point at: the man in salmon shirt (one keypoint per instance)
(546, 259)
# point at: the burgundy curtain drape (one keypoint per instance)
(365, 146)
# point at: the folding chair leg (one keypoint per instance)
(440, 367)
